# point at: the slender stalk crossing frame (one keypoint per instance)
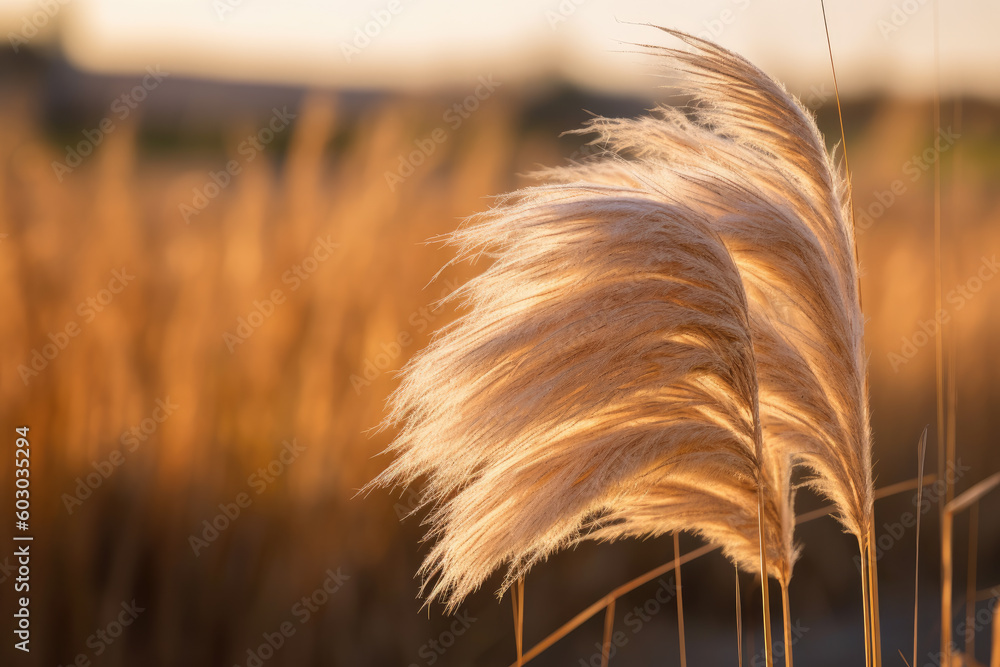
(645, 578)
(869, 578)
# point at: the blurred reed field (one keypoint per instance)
(274, 355)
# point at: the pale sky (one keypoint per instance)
(423, 43)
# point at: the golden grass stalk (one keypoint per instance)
(921, 458)
(874, 610)
(948, 514)
(869, 596)
(943, 460)
(739, 620)
(517, 600)
(660, 570)
(973, 494)
(609, 626)
(866, 600)
(995, 653)
(680, 598)
(603, 603)
(786, 616)
(970, 585)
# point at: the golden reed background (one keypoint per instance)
(301, 376)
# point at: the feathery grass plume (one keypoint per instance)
(750, 156)
(608, 341)
(721, 509)
(747, 164)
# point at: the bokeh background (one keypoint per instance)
(263, 177)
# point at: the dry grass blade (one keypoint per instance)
(593, 609)
(942, 460)
(921, 459)
(840, 113)
(786, 616)
(988, 594)
(645, 578)
(680, 599)
(609, 626)
(973, 494)
(739, 620)
(871, 605)
(948, 517)
(995, 653)
(970, 586)
(517, 599)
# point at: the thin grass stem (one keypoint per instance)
(739, 620)
(680, 598)
(786, 617)
(970, 584)
(660, 570)
(517, 600)
(765, 599)
(921, 458)
(865, 603)
(609, 626)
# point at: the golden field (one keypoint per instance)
(279, 311)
